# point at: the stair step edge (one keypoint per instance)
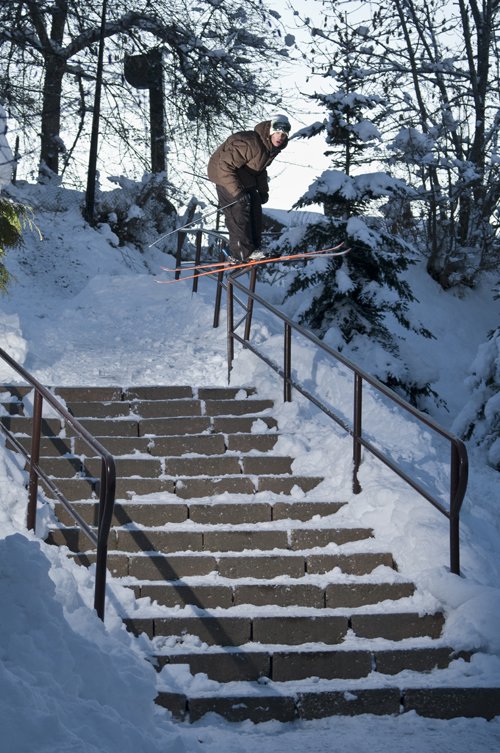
(332, 698)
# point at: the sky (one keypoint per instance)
(303, 160)
(80, 309)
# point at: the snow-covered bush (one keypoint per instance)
(137, 211)
(479, 421)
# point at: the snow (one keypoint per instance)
(6, 156)
(82, 310)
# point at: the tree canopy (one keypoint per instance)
(218, 60)
(436, 66)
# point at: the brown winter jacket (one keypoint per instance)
(240, 162)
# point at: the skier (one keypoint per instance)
(239, 170)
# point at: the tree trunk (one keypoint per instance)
(51, 144)
(460, 238)
(51, 43)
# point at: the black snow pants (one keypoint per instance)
(243, 222)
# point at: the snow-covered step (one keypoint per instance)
(149, 512)
(187, 487)
(284, 664)
(262, 593)
(197, 537)
(289, 702)
(294, 626)
(155, 566)
(260, 565)
(154, 467)
(157, 446)
(132, 425)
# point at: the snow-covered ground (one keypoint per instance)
(80, 310)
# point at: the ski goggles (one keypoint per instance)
(280, 125)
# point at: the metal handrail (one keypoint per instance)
(458, 452)
(217, 236)
(107, 486)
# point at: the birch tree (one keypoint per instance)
(452, 58)
(439, 67)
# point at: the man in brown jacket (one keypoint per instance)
(239, 170)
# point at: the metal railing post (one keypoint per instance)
(454, 513)
(287, 364)
(178, 253)
(34, 458)
(230, 328)
(248, 319)
(356, 432)
(106, 505)
(197, 257)
(218, 291)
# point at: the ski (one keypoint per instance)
(218, 267)
(226, 263)
(285, 257)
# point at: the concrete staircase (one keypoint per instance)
(280, 610)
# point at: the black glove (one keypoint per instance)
(245, 199)
(264, 197)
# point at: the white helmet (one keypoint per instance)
(280, 122)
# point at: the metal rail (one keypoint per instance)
(107, 481)
(458, 465)
(217, 240)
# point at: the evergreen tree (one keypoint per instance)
(11, 213)
(479, 420)
(357, 300)
(13, 218)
